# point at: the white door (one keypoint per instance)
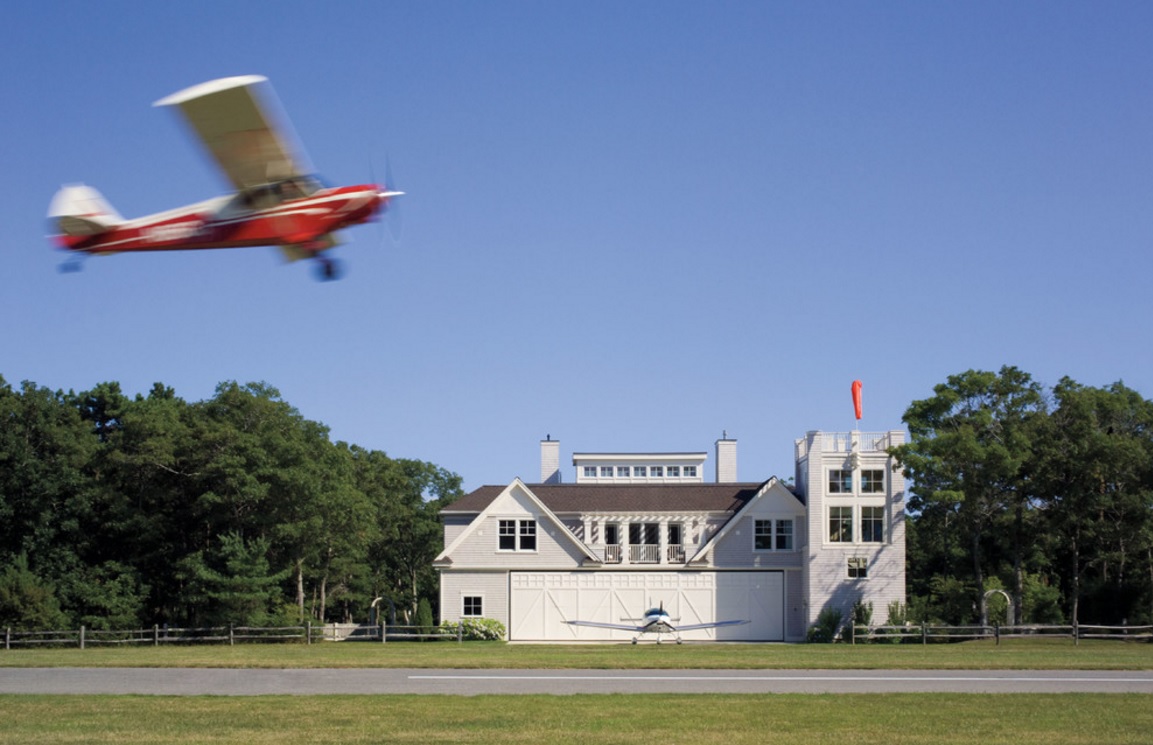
(542, 602)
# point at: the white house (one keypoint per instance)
(635, 530)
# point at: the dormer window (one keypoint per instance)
(674, 472)
(658, 472)
(516, 535)
(640, 472)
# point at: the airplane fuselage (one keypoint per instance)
(261, 219)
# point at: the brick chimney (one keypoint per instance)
(549, 460)
(726, 460)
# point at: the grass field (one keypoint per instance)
(1018, 654)
(898, 719)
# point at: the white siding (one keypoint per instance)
(491, 586)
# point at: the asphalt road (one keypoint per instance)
(231, 682)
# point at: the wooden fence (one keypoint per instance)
(926, 633)
(162, 635)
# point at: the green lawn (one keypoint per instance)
(856, 719)
(1020, 654)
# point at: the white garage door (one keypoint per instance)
(541, 603)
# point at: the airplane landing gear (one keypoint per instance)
(71, 266)
(327, 269)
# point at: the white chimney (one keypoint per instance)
(549, 460)
(726, 460)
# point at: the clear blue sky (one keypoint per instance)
(629, 225)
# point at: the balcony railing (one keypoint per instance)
(648, 553)
(645, 553)
(613, 554)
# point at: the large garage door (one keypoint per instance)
(541, 603)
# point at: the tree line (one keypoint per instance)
(124, 512)
(1046, 494)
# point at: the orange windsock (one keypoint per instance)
(857, 398)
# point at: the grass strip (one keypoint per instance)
(852, 719)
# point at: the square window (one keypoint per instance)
(873, 481)
(639, 471)
(658, 472)
(858, 568)
(473, 606)
(623, 471)
(691, 471)
(590, 472)
(873, 524)
(841, 524)
(674, 472)
(606, 471)
(840, 482)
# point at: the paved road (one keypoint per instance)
(222, 682)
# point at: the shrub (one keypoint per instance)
(476, 629)
(828, 624)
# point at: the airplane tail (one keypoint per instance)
(79, 212)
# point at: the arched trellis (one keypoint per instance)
(985, 606)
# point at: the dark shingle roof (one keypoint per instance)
(569, 498)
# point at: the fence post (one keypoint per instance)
(997, 633)
(7, 637)
(82, 637)
(155, 635)
(1076, 634)
(231, 636)
(383, 632)
(924, 632)
(308, 632)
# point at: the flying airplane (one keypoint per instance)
(656, 621)
(277, 202)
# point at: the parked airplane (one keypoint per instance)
(278, 202)
(656, 621)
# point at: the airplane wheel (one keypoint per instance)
(328, 269)
(634, 642)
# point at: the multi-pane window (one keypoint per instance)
(873, 524)
(840, 482)
(623, 471)
(873, 481)
(590, 471)
(606, 471)
(674, 472)
(657, 471)
(473, 606)
(858, 567)
(773, 535)
(841, 524)
(691, 472)
(784, 535)
(517, 535)
(639, 471)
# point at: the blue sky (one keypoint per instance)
(629, 225)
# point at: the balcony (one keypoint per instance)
(643, 553)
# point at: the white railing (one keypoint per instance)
(613, 554)
(675, 553)
(645, 553)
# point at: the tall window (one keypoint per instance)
(841, 524)
(873, 524)
(840, 482)
(517, 535)
(612, 534)
(784, 536)
(873, 481)
(762, 535)
(676, 537)
(473, 606)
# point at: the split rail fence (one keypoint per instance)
(926, 633)
(231, 635)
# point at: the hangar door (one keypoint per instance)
(541, 602)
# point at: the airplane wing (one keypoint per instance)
(714, 625)
(617, 626)
(250, 141)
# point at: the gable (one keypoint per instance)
(479, 544)
(773, 501)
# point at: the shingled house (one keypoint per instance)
(634, 530)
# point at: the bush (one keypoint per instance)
(476, 629)
(825, 630)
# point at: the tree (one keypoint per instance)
(234, 583)
(970, 459)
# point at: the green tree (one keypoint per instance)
(234, 583)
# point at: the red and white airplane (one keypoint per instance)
(278, 202)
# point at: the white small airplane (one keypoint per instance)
(656, 621)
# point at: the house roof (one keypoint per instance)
(577, 498)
